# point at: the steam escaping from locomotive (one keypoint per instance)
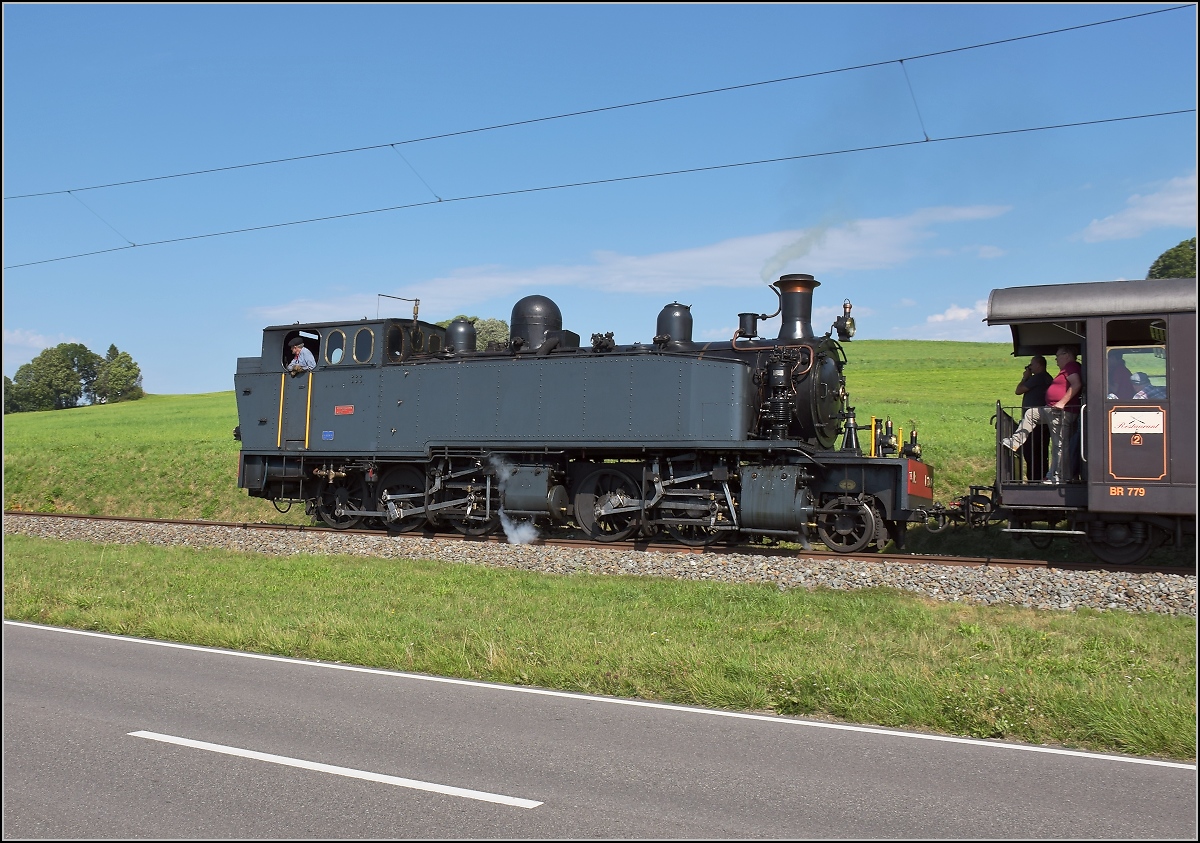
(517, 531)
(794, 250)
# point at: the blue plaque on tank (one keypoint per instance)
(327, 435)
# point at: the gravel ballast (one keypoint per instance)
(1038, 588)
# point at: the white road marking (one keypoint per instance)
(738, 715)
(348, 772)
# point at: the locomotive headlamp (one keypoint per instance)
(844, 324)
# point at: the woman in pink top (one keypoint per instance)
(1060, 414)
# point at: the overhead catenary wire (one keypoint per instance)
(102, 219)
(913, 94)
(601, 109)
(519, 191)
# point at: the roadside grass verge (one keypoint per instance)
(1100, 681)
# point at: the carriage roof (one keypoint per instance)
(1100, 298)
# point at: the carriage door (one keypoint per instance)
(1135, 416)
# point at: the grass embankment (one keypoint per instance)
(1103, 681)
(1110, 682)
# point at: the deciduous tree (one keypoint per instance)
(1176, 262)
(49, 381)
(486, 330)
(119, 378)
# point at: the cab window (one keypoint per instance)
(364, 344)
(394, 350)
(335, 347)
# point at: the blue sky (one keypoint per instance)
(915, 235)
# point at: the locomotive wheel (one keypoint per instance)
(601, 486)
(403, 480)
(847, 525)
(1120, 547)
(693, 535)
(474, 526)
(341, 491)
(477, 525)
(881, 537)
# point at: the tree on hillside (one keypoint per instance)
(10, 397)
(86, 365)
(48, 382)
(1176, 262)
(486, 330)
(120, 379)
(63, 376)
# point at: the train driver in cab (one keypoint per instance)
(302, 359)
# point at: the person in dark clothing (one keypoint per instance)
(1032, 389)
(1061, 415)
(1120, 379)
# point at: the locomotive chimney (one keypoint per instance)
(795, 300)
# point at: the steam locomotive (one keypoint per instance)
(406, 424)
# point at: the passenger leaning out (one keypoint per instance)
(1061, 415)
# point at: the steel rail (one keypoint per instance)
(644, 545)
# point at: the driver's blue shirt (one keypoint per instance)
(305, 361)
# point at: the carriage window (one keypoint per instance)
(364, 344)
(1137, 360)
(335, 347)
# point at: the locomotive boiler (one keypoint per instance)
(406, 425)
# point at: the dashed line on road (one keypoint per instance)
(348, 772)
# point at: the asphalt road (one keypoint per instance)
(113, 737)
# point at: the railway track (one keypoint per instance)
(566, 540)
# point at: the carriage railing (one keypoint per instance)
(1011, 465)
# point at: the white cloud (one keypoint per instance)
(740, 262)
(29, 339)
(1172, 206)
(21, 346)
(956, 323)
(954, 313)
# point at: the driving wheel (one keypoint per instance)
(410, 509)
(846, 525)
(601, 491)
(337, 497)
(476, 518)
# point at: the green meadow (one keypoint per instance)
(1103, 681)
